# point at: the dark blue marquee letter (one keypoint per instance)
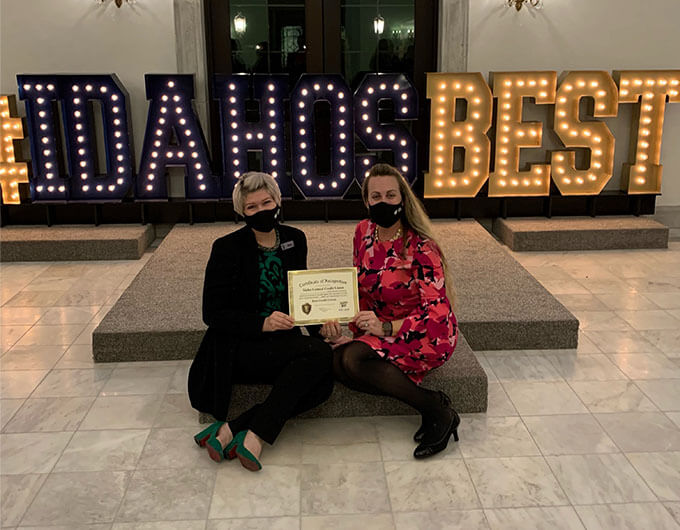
(74, 92)
(377, 136)
(171, 111)
(309, 89)
(239, 136)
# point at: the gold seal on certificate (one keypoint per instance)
(318, 295)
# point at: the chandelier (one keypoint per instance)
(117, 2)
(517, 4)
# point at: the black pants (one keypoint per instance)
(298, 367)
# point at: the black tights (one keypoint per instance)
(360, 368)
(299, 370)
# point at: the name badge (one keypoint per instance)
(287, 245)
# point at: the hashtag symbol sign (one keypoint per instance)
(11, 172)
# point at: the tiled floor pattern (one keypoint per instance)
(572, 439)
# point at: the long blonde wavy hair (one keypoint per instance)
(414, 218)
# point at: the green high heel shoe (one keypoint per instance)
(230, 450)
(217, 452)
(247, 459)
(202, 437)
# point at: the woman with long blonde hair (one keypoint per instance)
(406, 326)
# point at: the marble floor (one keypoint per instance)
(587, 438)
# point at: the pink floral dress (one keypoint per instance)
(411, 289)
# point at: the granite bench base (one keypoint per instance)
(461, 377)
(579, 233)
(499, 305)
(74, 242)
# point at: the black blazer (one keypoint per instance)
(230, 300)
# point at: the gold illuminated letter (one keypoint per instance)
(11, 172)
(643, 173)
(446, 133)
(593, 135)
(512, 133)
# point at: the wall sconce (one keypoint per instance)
(517, 4)
(240, 23)
(117, 2)
(378, 25)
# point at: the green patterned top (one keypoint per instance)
(272, 286)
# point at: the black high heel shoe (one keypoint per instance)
(436, 436)
(425, 423)
(418, 436)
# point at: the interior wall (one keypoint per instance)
(81, 36)
(584, 35)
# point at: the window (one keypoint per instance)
(268, 37)
(351, 37)
(377, 36)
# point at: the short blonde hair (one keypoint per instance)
(251, 182)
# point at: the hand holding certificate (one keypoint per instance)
(319, 295)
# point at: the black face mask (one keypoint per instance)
(384, 214)
(264, 220)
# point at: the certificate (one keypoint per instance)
(318, 295)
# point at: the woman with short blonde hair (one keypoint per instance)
(251, 338)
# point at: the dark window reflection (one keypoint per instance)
(268, 37)
(377, 36)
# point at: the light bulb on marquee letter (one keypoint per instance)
(240, 136)
(11, 172)
(592, 135)
(446, 133)
(512, 133)
(171, 112)
(650, 87)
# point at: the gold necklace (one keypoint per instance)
(396, 236)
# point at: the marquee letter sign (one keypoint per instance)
(39, 92)
(75, 92)
(378, 136)
(308, 90)
(174, 138)
(11, 171)
(512, 133)
(592, 135)
(239, 136)
(643, 174)
(446, 133)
